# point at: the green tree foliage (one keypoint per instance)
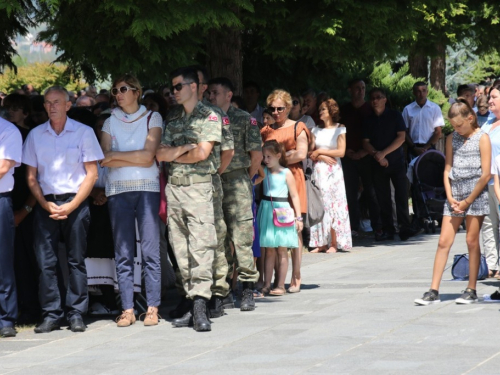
(15, 18)
(41, 76)
(152, 37)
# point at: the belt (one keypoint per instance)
(278, 199)
(60, 197)
(189, 180)
(6, 194)
(228, 176)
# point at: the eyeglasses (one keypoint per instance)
(278, 109)
(178, 87)
(295, 102)
(122, 90)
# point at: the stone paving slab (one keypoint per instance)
(354, 315)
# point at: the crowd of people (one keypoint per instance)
(104, 191)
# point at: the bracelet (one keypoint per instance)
(465, 200)
(28, 208)
(299, 218)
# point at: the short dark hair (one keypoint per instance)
(223, 81)
(418, 84)
(204, 72)
(377, 89)
(462, 88)
(309, 91)
(353, 81)
(187, 73)
(253, 84)
(20, 101)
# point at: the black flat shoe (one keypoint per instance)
(8, 332)
(47, 326)
(384, 237)
(76, 324)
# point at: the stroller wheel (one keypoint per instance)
(433, 227)
(426, 227)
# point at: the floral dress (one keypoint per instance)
(330, 180)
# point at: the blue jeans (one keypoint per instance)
(8, 295)
(47, 234)
(124, 209)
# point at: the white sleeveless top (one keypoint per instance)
(129, 134)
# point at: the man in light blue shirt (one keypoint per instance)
(61, 157)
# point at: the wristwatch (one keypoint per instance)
(28, 208)
(299, 218)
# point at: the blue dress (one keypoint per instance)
(269, 234)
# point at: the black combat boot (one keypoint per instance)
(185, 321)
(182, 308)
(201, 322)
(228, 301)
(247, 301)
(216, 307)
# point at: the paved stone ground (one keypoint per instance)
(355, 315)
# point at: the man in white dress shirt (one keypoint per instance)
(10, 157)
(61, 157)
(423, 120)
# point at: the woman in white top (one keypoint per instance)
(130, 138)
(334, 232)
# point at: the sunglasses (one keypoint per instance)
(178, 87)
(122, 90)
(278, 109)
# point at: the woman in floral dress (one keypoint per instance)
(334, 232)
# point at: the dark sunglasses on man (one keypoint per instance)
(178, 87)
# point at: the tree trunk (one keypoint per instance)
(438, 68)
(418, 65)
(224, 56)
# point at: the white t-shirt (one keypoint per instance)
(326, 139)
(131, 136)
(308, 120)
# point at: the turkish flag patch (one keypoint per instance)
(213, 118)
(253, 121)
(225, 120)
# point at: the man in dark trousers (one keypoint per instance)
(383, 137)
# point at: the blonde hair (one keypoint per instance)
(462, 107)
(280, 94)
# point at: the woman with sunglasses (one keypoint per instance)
(295, 136)
(296, 112)
(130, 138)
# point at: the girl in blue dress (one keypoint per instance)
(278, 184)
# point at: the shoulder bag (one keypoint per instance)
(282, 216)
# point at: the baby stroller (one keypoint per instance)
(428, 191)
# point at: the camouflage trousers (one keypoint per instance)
(237, 207)
(220, 287)
(192, 235)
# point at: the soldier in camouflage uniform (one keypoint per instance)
(220, 286)
(188, 145)
(237, 186)
(223, 152)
